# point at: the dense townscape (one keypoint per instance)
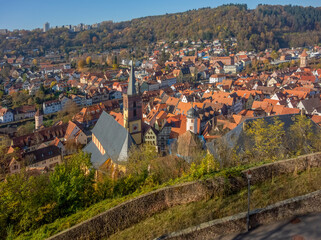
(195, 85)
(202, 104)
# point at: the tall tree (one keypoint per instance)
(81, 63)
(267, 138)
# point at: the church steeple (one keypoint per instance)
(132, 81)
(132, 112)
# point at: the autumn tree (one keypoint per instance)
(115, 62)
(69, 111)
(267, 138)
(109, 60)
(140, 158)
(94, 39)
(303, 139)
(52, 84)
(81, 63)
(35, 62)
(88, 61)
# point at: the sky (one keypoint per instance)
(31, 14)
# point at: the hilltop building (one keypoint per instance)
(46, 27)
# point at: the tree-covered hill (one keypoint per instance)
(267, 26)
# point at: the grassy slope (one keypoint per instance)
(180, 217)
(61, 224)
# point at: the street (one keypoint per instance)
(306, 227)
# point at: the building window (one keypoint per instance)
(192, 120)
(191, 128)
(134, 104)
(135, 113)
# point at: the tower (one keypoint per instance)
(46, 27)
(191, 121)
(303, 59)
(38, 120)
(132, 103)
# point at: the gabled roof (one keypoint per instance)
(187, 143)
(311, 104)
(42, 154)
(304, 53)
(44, 135)
(150, 128)
(316, 119)
(118, 117)
(113, 137)
(172, 101)
(70, 129)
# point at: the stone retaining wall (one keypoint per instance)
(267, 171)
(138, 209)
(309, 203)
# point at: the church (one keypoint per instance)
(111, 142)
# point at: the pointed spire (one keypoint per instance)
(132, 81)
(304, 53)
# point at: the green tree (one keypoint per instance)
(1, 94)
(22, 202)
(274, 55)
(19, 98)
(207, 165)
(25, 129)
(72, 184)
